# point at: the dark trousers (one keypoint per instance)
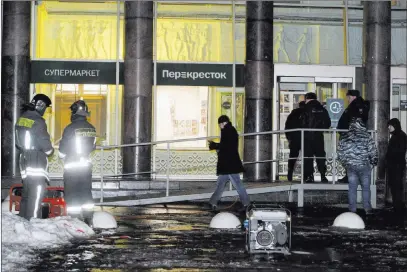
(78, 186)
(34, 189)
(395, 178)
(294, 153)
(314, 146)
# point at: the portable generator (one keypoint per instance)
(53, 203)
(268, 229)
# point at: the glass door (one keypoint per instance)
(291, 91)
(399, 101)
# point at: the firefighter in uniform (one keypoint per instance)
(34, 144)
(78, 141)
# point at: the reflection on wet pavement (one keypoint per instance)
(177, 238)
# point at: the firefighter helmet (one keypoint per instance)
(80, 108)
(40, 103)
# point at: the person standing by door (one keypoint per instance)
(77, 143)
(229, 164)
(34, 144)
(396, 167)
(357, 108)
(294, 138)
(314, 116)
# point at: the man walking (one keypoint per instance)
(358, 154)
(229, 164)
(395, 167)
(314, 116)
(357, 108)
(294, 138)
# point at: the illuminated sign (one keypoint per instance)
(173, 74)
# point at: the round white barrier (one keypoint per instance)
(349, 220)
(225, 220)
(103, 220)
(5, 205)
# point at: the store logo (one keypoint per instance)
(193, 75)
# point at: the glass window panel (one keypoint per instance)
(399, 43)
(182, 113)
(101, 104)
(398, 37)
(77, 30)
(194, 32)
(67, 87)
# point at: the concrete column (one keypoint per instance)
(377, 62)
(258, 87)
(138, 82)
(15, 79)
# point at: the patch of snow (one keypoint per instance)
(21, 238)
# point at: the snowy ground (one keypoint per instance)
(22, 239)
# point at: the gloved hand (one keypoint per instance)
(212, 145)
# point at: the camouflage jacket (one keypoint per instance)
(356, 147)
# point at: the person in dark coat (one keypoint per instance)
(229, 164)
(395, 166)
(78, 141)
(294, 138)
(34, 144)
(357, 108)
(314, 116)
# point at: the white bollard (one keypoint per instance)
(349, 220)
(103, 220)
(225, 220)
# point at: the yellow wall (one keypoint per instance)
(88, 31)
(61, 35)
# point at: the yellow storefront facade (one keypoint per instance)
(186, 32)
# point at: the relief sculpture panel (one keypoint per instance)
(296, 44)
(76, 37)
(182, 40)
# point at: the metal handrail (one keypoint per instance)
(216, 137)
(168, 143)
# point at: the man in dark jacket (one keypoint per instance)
(357, 108)
(78, 141)
(396, 165)
(229, 164)
(314, 116)
(294, 138)
(34, 144)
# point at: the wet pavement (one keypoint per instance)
(177, 238)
